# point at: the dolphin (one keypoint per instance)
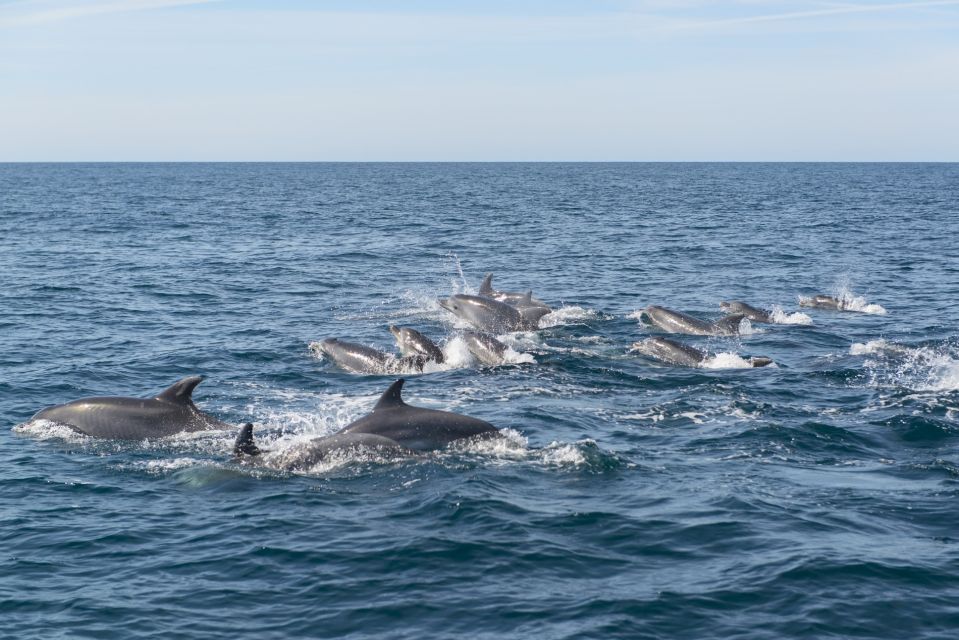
(754, 314)
(676, 322)
(413, 343)
(417, 428)
(490, 315)
(672, 352)
(358, 358)
(486, 348)
(822, 302)
(516, 299)
(303, 457)
(165, 414)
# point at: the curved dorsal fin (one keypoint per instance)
(486, 288)
(181, 391)
(244, 442)
(392, 398)
(528, 298)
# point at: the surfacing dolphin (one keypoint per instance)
(393, 429)
(751, 312)
(513, 298)
(822, 302)
(358, 358)
(673, 352)
(417, 428)
(165, 414)
(485, 348)
(491, 315)
(677, 322)
(305, 456)
(413, 343)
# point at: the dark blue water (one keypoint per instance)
(816, 499)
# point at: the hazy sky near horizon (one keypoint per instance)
(694, 80)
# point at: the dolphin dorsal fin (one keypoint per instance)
(528, 298)
(181, 391)
(392, 398)
(731, 322)
(244, 442)
(486, 288)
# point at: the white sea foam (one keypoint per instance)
(726, 360)
(567, 315)
(921, 369)
(781, 317)
(47, 430)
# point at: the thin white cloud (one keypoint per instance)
(823, 13)
(33, 13)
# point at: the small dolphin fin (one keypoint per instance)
(392, 398)
(244, 442)
(731, 323)
(181, 391)
(486, 288)
(528, 298)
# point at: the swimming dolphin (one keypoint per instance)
(490, 315)
(822, 302)
(358, 358)
(413, 343)
(754, 314)
(486, 348)
(516, 299)
(672, 352)
(303, 457)
(165, 414)
(417, 428)
(676, 322)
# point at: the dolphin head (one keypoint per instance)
(449, 304)
(396, 331)
(729, 307)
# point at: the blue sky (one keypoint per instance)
(493, 80)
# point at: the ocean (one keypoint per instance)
(814, 498)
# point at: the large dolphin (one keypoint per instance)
(303, 457)
(417, 428)
(676, 322)
(490, 315)
(516, 299)
(413, 343)
(358, 358)
(754, 314)
(165, 414)
(485, 348)
(672, 352)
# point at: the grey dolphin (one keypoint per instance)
(673, 352)
(413, 343)
(417, 428)
(165, 414)
(486, 348)
(751, 312)
(358, 358)
(676, 322)
(487, 314)
(303, 457)
(822, 302)
(516, 299)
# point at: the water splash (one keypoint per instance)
(922, 369)
(726, 360)
(779, 316)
